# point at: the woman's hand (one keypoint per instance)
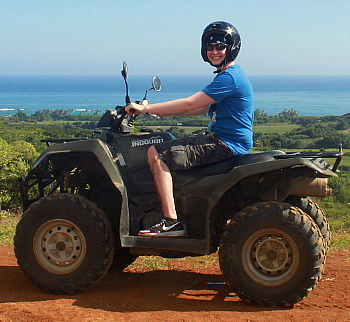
(134, 108)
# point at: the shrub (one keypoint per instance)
(15, 160)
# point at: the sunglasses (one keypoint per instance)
(218, 47)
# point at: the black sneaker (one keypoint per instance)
(165, 228)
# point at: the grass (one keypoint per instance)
(340, 240)
(345, 161)
(279, 128)
(8, 224)
(151, 263)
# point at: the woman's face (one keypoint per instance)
(216, 53)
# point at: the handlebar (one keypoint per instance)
(115, 121)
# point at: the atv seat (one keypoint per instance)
(227, 165)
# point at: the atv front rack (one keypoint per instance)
(50, 141)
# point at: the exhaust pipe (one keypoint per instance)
(312, 187)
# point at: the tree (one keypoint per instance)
(41, 116)
(341, 187)
(176, 131)
(289, 114)
(59, 114)
(15, 160)
(333, 139)
(20, 116)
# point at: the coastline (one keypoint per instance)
(308, 95)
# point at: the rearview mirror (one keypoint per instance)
(157, 85)
(125, 70)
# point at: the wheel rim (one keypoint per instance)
(59, 246)
(270, 257)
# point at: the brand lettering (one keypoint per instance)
(149, 141)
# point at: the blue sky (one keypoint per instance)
(91, 37)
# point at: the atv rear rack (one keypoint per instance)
(315, 155)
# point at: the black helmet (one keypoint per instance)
(231, 38)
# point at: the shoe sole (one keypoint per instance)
(177, 233)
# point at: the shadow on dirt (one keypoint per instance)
(136, 292)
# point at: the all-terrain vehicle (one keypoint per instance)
(85, 201)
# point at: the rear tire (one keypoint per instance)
(271, 254)
(316, 213)
(64, 244)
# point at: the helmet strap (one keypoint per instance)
(223, 66)
(220, 67)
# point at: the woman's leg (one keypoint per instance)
(164, 182)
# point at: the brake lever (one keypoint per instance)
(132, 111)
(155, 116)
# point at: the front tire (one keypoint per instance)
(64, 244)
(271, 254)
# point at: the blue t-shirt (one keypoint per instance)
(231, 117)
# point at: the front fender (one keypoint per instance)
(95, 154)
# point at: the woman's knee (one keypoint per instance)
(152, 155)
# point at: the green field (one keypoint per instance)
(279, 128)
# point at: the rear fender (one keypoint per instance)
(301, 166)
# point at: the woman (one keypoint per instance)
(228, 100)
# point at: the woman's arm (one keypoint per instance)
(197, 111)
(193, 105)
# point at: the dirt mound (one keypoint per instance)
(190, 289)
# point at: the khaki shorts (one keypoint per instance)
(192, 151)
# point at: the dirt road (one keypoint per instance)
(185, 290)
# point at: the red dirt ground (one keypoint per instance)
(185, 290)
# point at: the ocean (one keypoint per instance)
(308, 95)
